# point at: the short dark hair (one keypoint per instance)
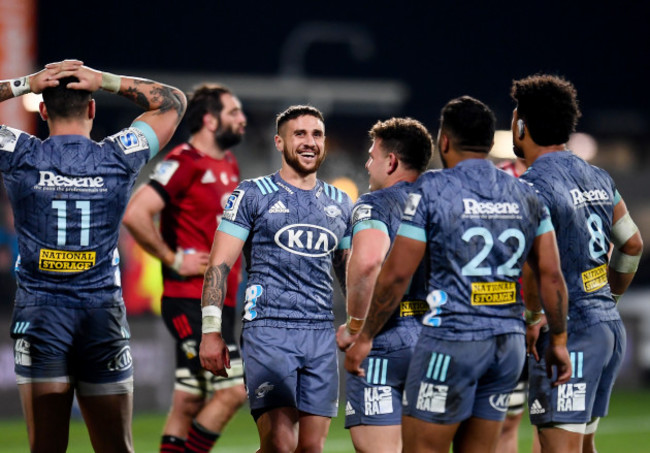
(205, 98)
(548, 104)
(294, 112)
(470, 123)
(63, 102)
(407, 138)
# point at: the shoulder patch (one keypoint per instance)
(412, 204)
(164, 171)
(232, 205)
(9, 138)
(131, 140)
(361, 212)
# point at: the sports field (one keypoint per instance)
(626, 429)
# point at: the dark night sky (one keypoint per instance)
(440, 50)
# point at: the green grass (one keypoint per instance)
(626, 429)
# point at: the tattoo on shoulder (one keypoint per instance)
(214, 285)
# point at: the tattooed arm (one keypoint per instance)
(213, 351)
(164, 104)
(37, 82)
(392, 283)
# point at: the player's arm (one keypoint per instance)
(139, 217)
(213, 350)
(37, 82)
(369, 248)
(392, 282)
(544, 260)
(164, 104)
(628, 247)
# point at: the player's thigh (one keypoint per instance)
(420, 436)
(318, 377)
(108, 419)
(379, 439)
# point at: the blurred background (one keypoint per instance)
(357, 61)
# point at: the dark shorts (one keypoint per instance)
(451, 381)
(87, 347)
(288, 367)
(376, 399)
(596, 357)
(183, 320)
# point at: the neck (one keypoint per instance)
(403, 176)
(299, 180)
(534, 152)
(206, 143)
(70, 127)
(455, 156)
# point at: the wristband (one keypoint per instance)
(111, 82)
(533, 317)
(178, 261)
(624, 263)
(211, 319)
(354, 325)
(20, 86)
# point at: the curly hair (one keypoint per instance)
(548, 104)
(407, 138)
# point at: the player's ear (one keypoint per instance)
(393, 162)
(278, 142)
(443, 143)
(210, 121)
(92, 108)
(42, 110)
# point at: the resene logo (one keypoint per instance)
(306, 240)
(51, 179)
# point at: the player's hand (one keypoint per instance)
(193, 264)
(50, 75)
(214, 354)
(89, 79)
(344, 339)
(532, 334)
(356, 353)
(557, 355)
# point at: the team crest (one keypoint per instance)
(333, 211)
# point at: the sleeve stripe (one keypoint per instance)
(151, 136)
(370, 224)
(412, 232)
(617, 197)
(545, 226)
(233, 230)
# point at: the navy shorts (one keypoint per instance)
(376, 399)
(451, 381)
(182, 317)
(290, 367)
(87, 347)
(596, 357)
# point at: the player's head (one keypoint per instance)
(466, 125)
(397, 142)
(301, 138)
(548, 107)
(216, 108)
(64, 103)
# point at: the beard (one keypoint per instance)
(518, 151)
(227, 138)
(293, 160)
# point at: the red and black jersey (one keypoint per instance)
(195, 188)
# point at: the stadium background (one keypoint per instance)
(357, 61)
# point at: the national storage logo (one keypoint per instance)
(65, 261)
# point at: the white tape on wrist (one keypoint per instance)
(20, 86)
(111, 82)
(533, 317)
(211, 319)
(624, 263)
(178, 261)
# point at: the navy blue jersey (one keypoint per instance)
(68, 195)
(479, 224)
(581, 199)
(382, 210)
(290, 236)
